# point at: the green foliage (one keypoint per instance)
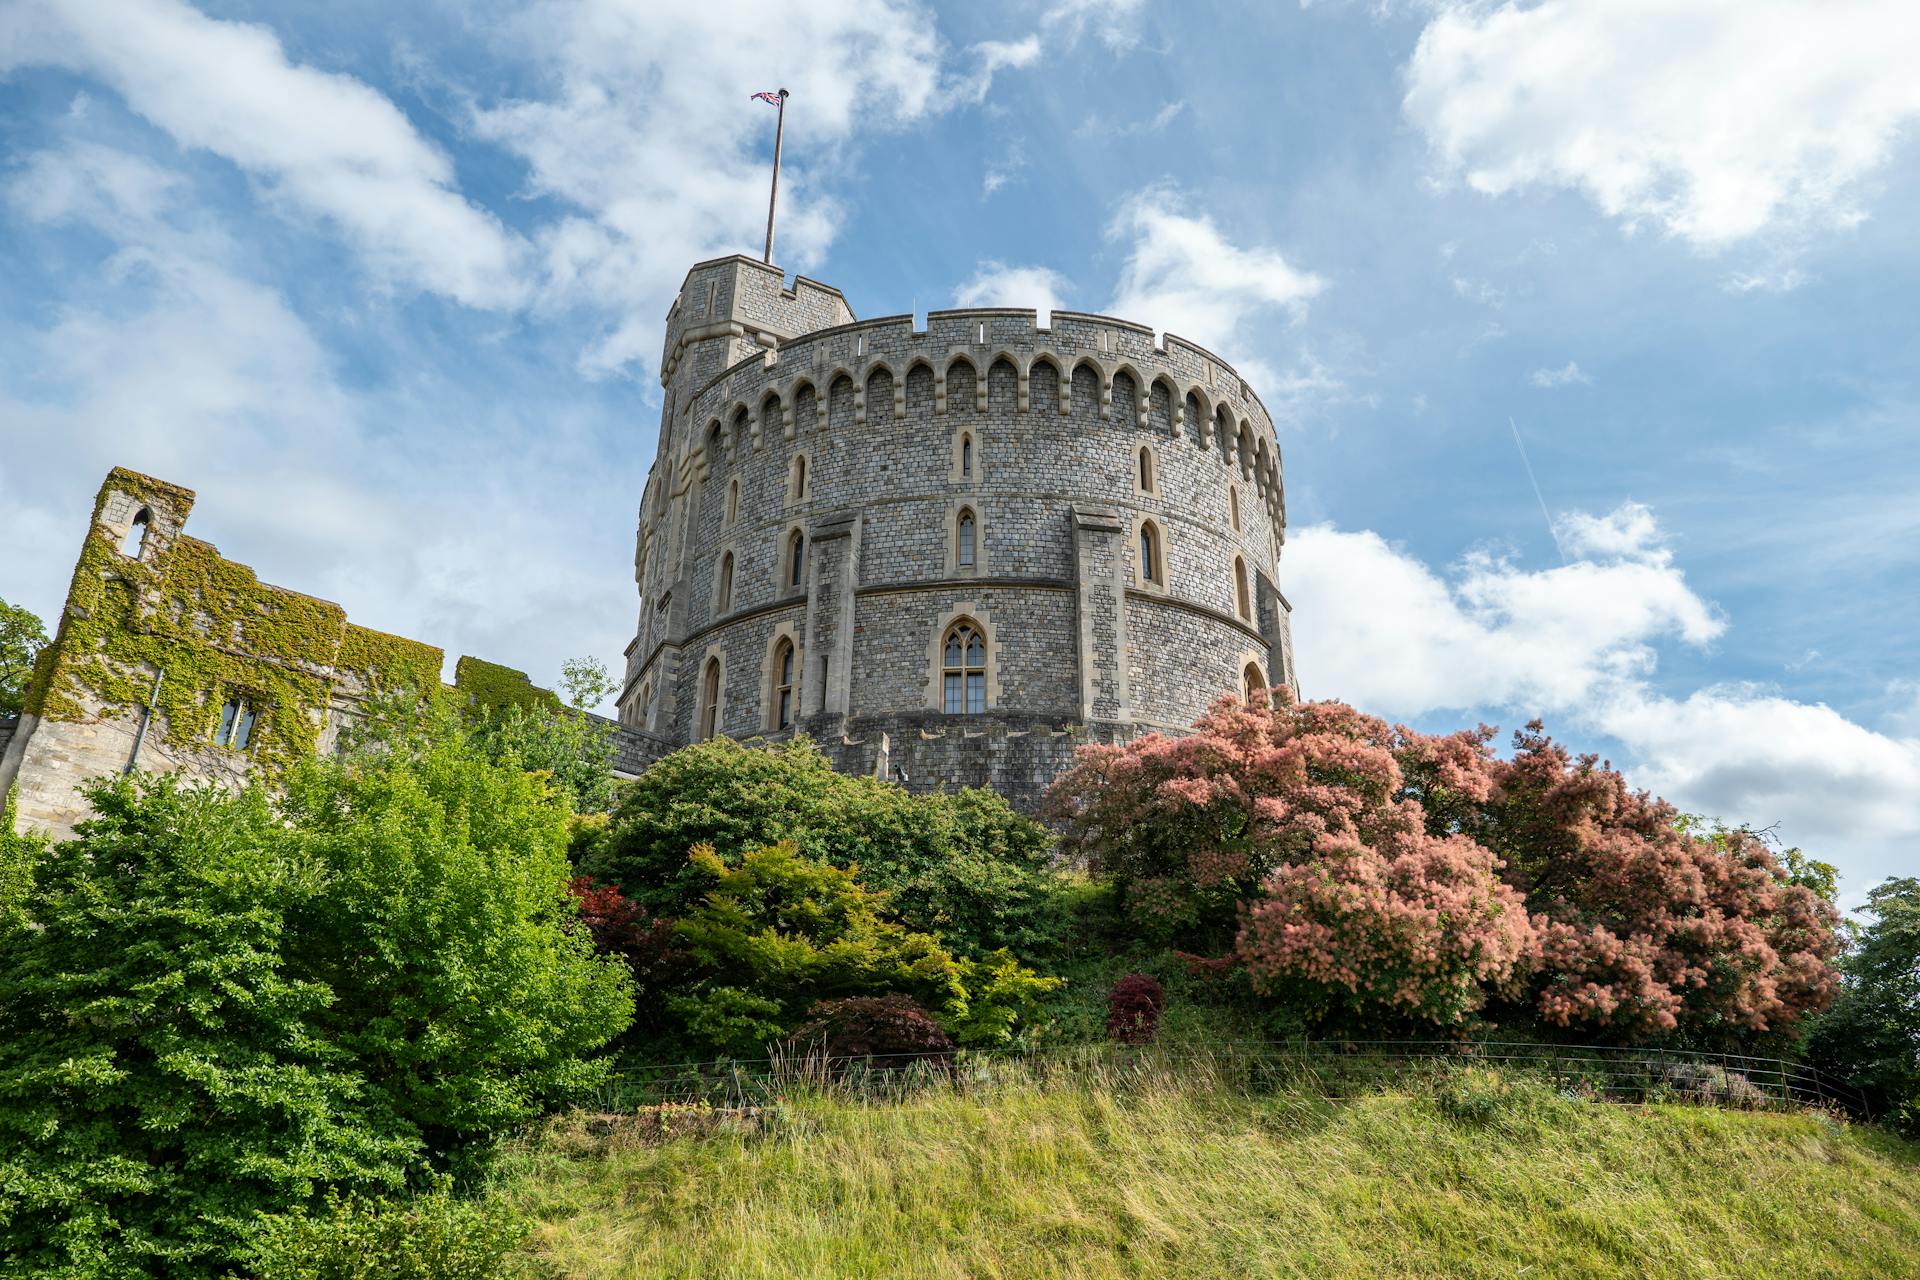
(587, 682)
(433, 1236)
(446, 934)
(574, 751)
(230, 1003)
(779, 932)
(488, 686)
(166, 1074)
(964, 866)
(18, 854)
(1871, 1036)
(22, 636)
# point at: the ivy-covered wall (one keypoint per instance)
(489, 686)
(211, 631)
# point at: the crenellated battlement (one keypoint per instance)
(743, 399)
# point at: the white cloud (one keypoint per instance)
(993, 57)
(173, 359)
(1714, 120)
(1012, 160)
(1565, 376)
(1115, 22)
(663, 157)
(322, 144)
(1579, 644)
(1183, 276)
(995, 284)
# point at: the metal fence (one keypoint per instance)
(1334, 1070)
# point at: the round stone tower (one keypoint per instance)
(952, 554)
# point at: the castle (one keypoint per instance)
(950, 555)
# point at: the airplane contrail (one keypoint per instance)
(1537, 495)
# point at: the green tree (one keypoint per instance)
(231, 1002)
(1871, 1036)
(18, 854)
(22, 637)
(779, 932)
(587, 682)
(964, 866)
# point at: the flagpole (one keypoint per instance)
(773, 195)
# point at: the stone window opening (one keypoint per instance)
(966, 456)
(1233, 505)
(134, 544)
(1254, 685)
(1145, 477)
(797, 487)
(782, 705)
(710, 700)
(723, 593)
(1153, 569)
(236, 725)
(965, 537)
(1242, 603)
(964, 669)
(733, 500)
(796, 559)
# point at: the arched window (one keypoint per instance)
(733, 501)
(799, 477)
(783, 684)
(134, 545)
(1152, 562)
(1233, 505)
(964, 539)
(710, 700)
(1254, 685)
(723, 594)
(964, 669)
(966, 456)
(796, 559)
(1242, 601)
(1146, 469)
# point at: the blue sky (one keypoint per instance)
(385, 285)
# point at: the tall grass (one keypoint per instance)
(1157, 1167)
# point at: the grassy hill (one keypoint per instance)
(1172, 1173)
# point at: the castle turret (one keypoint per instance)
(979, 543)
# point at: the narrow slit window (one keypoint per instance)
(966, 456)
(1150, 566)
(710, 699)
(1146, 470)
(1233, 506)
(724, 599)
(965, 536)
(800, 478)
(1254, 684)
(134, 545)
(733, 501)
(796, 560)
(1241, 602)
(783, 685)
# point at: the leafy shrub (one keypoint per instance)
(1870, 1039)
(430, 1237)
(18, 854)
(1515, 1102)
(780, 932)
(891, 1028)
(1387, 875)
(1133, 1008)
(964, 866)
(230, 1002)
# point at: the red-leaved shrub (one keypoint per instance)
(1133, 1008)
(891, 1029)
(620, 926)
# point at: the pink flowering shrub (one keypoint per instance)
(1372, 870)
(1646, 930)
(1413, 925)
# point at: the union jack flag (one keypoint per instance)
(768, 96)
